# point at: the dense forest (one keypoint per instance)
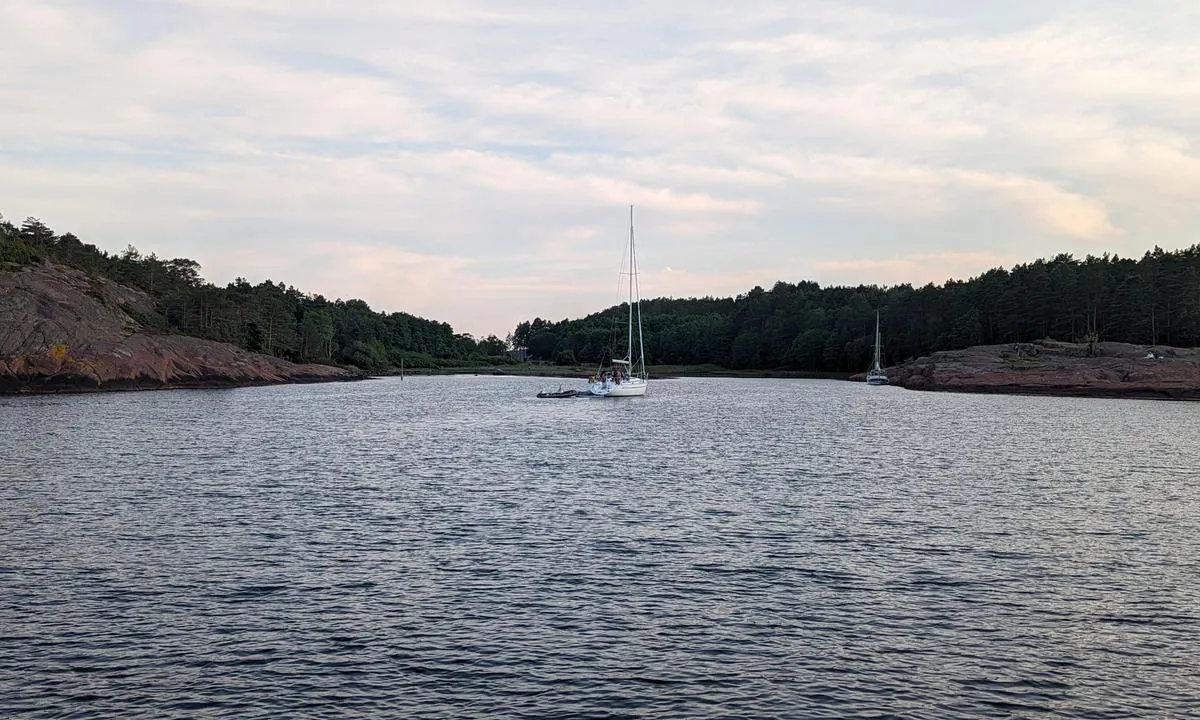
(1154, 300)
(802, 326)
(271, 318)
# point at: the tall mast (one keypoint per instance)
(630, 345)
(636, 289)
(877, 340)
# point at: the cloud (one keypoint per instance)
(893, 188)
(386, 277)
(1053, 210)
(516, 175)
(495, 149)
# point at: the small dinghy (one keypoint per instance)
(560, 394)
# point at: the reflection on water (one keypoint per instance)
(453, 546)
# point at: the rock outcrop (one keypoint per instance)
(63, 330)
(1058, 368)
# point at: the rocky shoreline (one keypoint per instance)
(1049, 367)
(63, 330)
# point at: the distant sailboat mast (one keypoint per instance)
(877, 343)
(876, 375)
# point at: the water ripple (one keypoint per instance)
(454, 547)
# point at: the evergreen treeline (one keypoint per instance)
(802, 326)
(271, 318)
(1154, 300)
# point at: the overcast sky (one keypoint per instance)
(472, 161)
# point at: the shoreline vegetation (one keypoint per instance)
(74, 318)
(656, 372)
(1043, 368)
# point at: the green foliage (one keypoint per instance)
(796, 327)
(543, 345)
(492, 347)
(804, 327)
(270, 317)
(14, 248)
(316, 334)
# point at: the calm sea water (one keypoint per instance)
(455, 547)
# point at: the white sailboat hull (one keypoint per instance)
(631, 387)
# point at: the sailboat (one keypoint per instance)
(876, 375)
(627, 376)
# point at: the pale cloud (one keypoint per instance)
(1052, 209)
(388, 277)
(474, 163)
(893, 188)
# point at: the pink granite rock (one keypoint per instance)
(63, 330)
(1058, 368)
